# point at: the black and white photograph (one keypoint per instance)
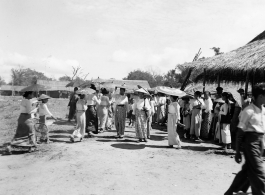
(132, 97)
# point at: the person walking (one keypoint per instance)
(72, 105)
(81, 108)
(91, 113)
(250, 135)
(25, 132)
(121, 108)
(173, 118)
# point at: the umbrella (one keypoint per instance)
(75, 83)
(35, 87)
(85, 91)
(171, 91)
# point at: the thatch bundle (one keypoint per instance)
(234, 66)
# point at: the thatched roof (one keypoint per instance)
(227, 87)
(55, 85)
(233, 66)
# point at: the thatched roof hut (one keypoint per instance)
(234, 66)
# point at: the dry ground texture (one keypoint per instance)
(104, 165)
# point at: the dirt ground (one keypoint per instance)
(104, 165)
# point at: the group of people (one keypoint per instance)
(95, 113)
(202, 118)
(205, 116)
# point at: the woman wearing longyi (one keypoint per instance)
(173, 118)
(25, 133)
(142, 111)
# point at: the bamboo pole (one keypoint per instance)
(218, 80)
(204, 79)
(186, 80)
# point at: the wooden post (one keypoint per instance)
(246, 84)
(218, 80)
(186, 80)
(204, 79)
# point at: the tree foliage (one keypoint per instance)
(2, 81)
(65, 78)
(152, 79)
(26, 76)
(171, 79)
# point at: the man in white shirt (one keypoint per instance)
(121, 108)
(250, 134)
(206, 115)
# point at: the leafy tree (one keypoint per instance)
(153, 80)
(65, 78)
(26, 76)
(2, 81)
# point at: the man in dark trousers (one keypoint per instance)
(72, 105)
(251, 129)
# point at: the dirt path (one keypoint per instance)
(105, 165)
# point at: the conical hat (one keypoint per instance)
(43, 97)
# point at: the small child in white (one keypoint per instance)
(43, 113)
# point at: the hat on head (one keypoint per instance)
(219, 88)
(241, 91)
(142, 90)
(43, 97)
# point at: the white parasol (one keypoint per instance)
(86, 91)
(171, 91)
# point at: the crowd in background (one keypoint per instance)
(204, 116)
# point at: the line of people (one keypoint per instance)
(94, 111)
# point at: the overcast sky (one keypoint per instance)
(109, 38)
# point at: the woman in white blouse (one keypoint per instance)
(173, 118)
(196, 116)
(142, 111)
(225, 120)
(25, 133)
(103, 109)
(43, 113)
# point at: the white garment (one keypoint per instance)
(174, 108)
(43, 110)
(140, 104)
(252, 119)
(120, 99)
(208, 105)
(26, 107)
(92, 99)
(162, 100)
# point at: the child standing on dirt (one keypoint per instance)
(43, 113)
